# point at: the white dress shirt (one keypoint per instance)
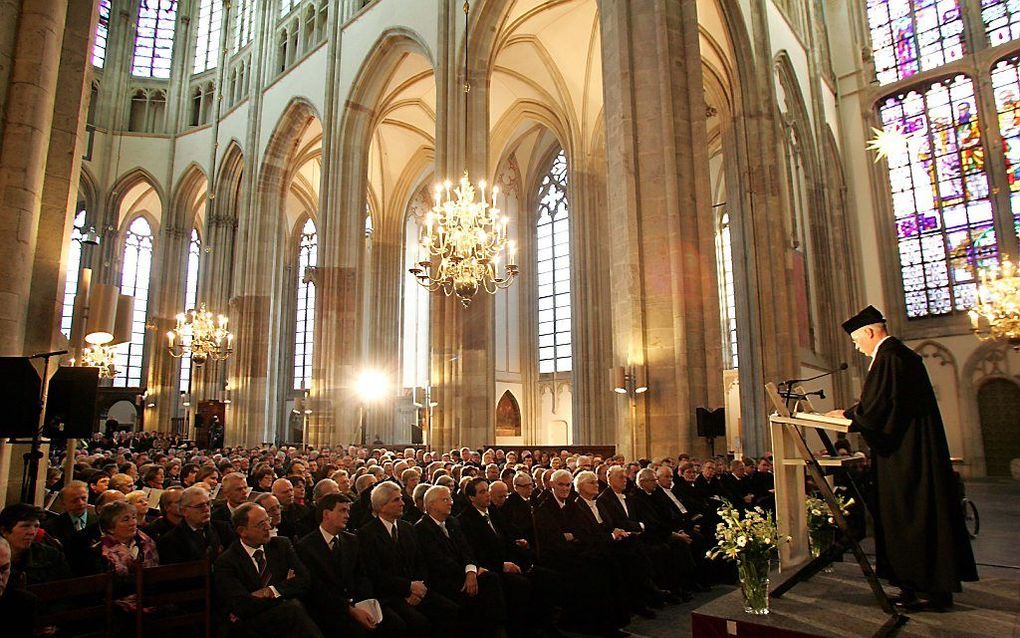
(875, 351)
(469, 568)
(676, 501)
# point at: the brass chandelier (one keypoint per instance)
(202, 335)
(996, 315)
(99, 356)
(463, 240)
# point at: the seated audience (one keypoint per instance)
(170, 513)
(77, 527)
(197, 536)
(234, 492)
(122, 548)
(17, 606)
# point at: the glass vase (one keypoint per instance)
(754, 584)
(820, 540)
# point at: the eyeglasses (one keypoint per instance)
(200, 506)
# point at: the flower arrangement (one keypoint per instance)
(818, 514)
(752, 539)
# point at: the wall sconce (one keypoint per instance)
(630, 380)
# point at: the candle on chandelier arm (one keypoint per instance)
(512, 247)
(170, 336)
(495, 192)
(481, 186)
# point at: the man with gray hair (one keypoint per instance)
(170, 510)
(397, 568)
(77, 528)
(197, 536)
(234, 491)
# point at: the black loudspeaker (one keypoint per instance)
(19, 395)
(711, 423)
(71, 403)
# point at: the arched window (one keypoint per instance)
(911, 36)
(308, 248)
(134, 281)
(208, 44)
(1002, 20)
(415, 333)
(102, 35)
(71, 276)
(244, 19)
(154, 40)
(1006, 88)
(727, 296)
(190, 299)
(552, 267)
(940, 195)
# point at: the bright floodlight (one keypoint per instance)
(372, 385)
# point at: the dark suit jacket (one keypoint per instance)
(294, 521)
(77, 546)
(613, 513)
(593, 538)
(392, 566)
(183, 544)
(445, 557)
(159, 527)
(235, 577)
(660, 518)
(516, 514)
(490, 548)
(551, 522)
(221, 513)
(339, 579)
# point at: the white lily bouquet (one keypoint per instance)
(818, 514)
(752, 539)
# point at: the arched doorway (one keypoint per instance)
(125, 414)
(998, 405)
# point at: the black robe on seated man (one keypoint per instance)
(920, 539)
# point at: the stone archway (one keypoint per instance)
(998, 402)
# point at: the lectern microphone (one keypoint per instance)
(792, 382)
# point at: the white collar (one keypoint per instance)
(388, 525)
(251, 550)
(879, 345)
(438, 522)
(327, 536)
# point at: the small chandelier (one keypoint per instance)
(201, 335)
(463, 240)
(98, 356)
(462, 243)
(996, 315)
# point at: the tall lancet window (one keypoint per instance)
(210, 14)
(911, 36)
(134, 281)
(244, 23)
(71, 275)
(727, 297)
(154, 39)
(304, 330)
(1002, 20)
(415, 337)
(102, 35)
(552, 267)
(190, 299)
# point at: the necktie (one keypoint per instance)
(260, 560)
(393, 532)
(334, 545)
(488, 521)
(79, 524)
(446, 532)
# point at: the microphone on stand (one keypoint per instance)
(789, 394)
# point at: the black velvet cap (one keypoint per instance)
(863, 318)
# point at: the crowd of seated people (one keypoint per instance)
(355, 541)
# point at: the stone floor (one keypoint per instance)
(995, 548)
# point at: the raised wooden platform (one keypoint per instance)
(840, 605)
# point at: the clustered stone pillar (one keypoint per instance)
(28, 123)
(663, 282)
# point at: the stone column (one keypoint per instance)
(170, 262)
(28, 123)
(60, 185)
(663, 283)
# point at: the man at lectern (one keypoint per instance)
(920, 539)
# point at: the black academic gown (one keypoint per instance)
(920, 539)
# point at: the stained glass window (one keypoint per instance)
(1006, 88)
(910, 36)
(208, 44)
(190, 300)
(102, 34)
(940, 195)
(415, 338)
(308, 249)
(724, 251)
(553, 269)
(71, 275)
(244, 19)
(154, 40)
(1002, 20)
(134, 281)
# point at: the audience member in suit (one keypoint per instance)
(498, 493)
(333, 559)
(688, 491)
(410, 478)
(259, 580)
(361, 510)
(397, 568)
(671, 550)
(268, 502)
(32, 562)
(198, 536)
(234, 491)
(526, 596)
(293, 517)
(764, 485)
(571, 553)
(17, 606)
(604, 542)
(452, 568)
(518, 521)
(170, 513)
(709, 485)
(737, 486)
(77, 528)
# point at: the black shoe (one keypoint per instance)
(904, 597)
